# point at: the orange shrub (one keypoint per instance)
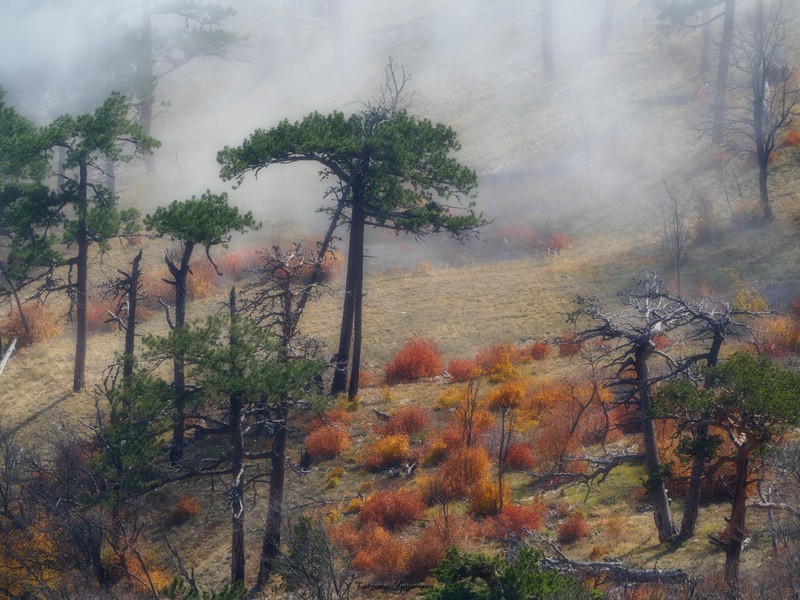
(418, 358)
(391, 510)
(408, 420)
(41, 322)
(97, 317)
(792, 138)
(517, 520)
(573, 528)
(425, 554)
(453, 480)
(366, 379)
(484, 498)
(496, 362)
(781, 335)
(236, 263)
(435, 453)
(334, 416)
(569, 346)
(388, 451)
(154, 287)
(461, 369)
(326, 443)
(538, 350)
(202, 280)
(507, 396)
(185, 508)
(520, 458)
(379, 554)
(559, 241)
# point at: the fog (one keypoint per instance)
(597, 138)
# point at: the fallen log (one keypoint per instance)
(7, 355)
(616, 571)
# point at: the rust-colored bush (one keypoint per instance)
(573, 528)
(453, 480)
(335, 416)
(388, 451)
(154, 287)
(484, 498)
(380, 554)
(202, 280)
(409, 420)
(236, 263)
(418, 358)
(461, 369)
(185, 508)
(496, 362)
(509, 395)
(559, 241)
(41, 322)
(392, 510)
(97, 317)
(569, 345)
(517, 520)
(425, 553)
(520, 458)
(367, 379)
(538, 350)
(326, 443)
(792, 139)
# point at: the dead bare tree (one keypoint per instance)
(765, 96)
(673, 210)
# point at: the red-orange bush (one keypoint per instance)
(154, 287)
(41, 322)
(461, 369)
(517, 520)
(366, 379)
(418, 358)
(484, 498)
(202, 280)
(520, 458)
(496, 361)
(392, 510)
(569, 346)
(539, 350)
(409, 420)
(573, 528)
(388, 451)
(380, 554)
(185, 508)
(235, 263)
(792, 138)
(326, 443)
(335, 416)
(425, 554)
(509, 395)
(97, 317)
(459, 473)
(559, 241)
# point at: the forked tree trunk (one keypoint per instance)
(81, 284)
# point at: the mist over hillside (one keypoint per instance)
(597, 138)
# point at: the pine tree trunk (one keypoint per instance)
(736, 523)
(725, 49)
(270, 547)
(663, 516)
(358, 296)
(82, 280)
(237, 464)
(180, 275)
(548, 60)
(130, 327)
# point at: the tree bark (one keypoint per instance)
(180, 275)
(358, 291)
(130, 327)
(548, 60)
(763, 189)
(736, 523)
(353, 284)
(725, 49)
(663, 516)
(270, 547)
(237, 464)
(81, 287)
